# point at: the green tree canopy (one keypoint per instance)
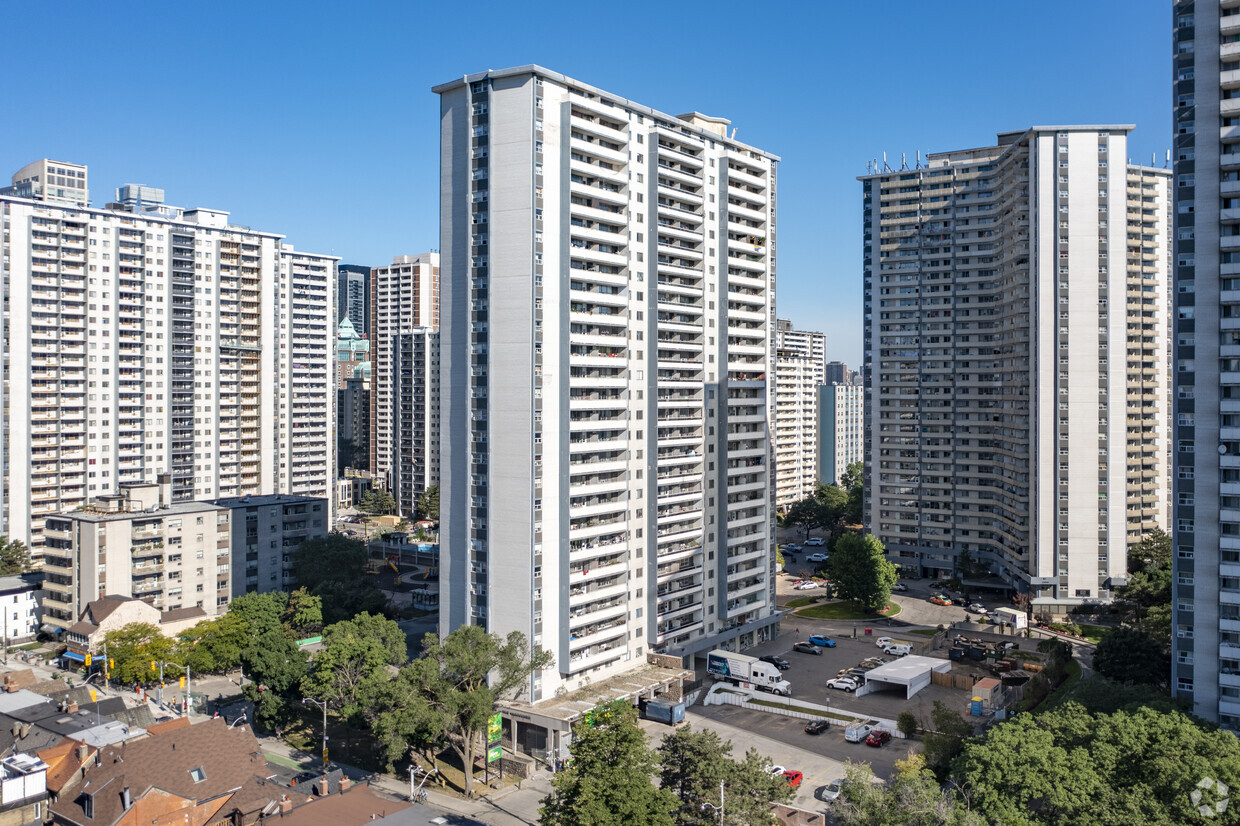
(377, 500)
(132, 648)
(1149, 579)
(859, 570)
(694, 763)
(356, 653)
(275, 666)
(333, 568)
(428, 504)
(214, 644)
(913, 798)
(450, 692)
(610, 782)
(1068, 766)
(14, 556)
(1130, 655)
(304, 615)
(261, 613)
(944, 737)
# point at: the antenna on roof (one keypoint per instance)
(886, 166)
(919, 159)
(1167, 163)
(1153, 158)
(903, 163)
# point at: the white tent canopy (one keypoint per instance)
(911, 672)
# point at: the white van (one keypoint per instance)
(898, 649)
(856, 732)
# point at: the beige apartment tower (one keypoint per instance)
(1016, 361)
(800, 370)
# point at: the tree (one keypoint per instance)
(1069, 766)
(131, 648)
(693, 763)
(304, 614)
(610, 780)
(853, 483)
(451, 691)
(333, 568)
(14, 556)
(914, 797)
(1129, 655)
(355, 653)
(213, 645)
(261, 613)
(803, 514)
(276, 667)
(906, 723)
(944, 739)
(377, 500)
(1149, 580)
(859, 571)
(428, 504)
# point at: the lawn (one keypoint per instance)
(1094, 633)
(1066, 689)
(846, 610)
(801, 602)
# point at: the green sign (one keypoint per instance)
(493, 728)
(494, 753)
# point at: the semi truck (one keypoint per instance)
(741, 668)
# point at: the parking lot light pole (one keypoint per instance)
(322, 704)
(718, 808)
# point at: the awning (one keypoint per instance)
(73, 655)
(52, 629)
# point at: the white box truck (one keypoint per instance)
(741, 668)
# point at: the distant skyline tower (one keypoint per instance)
(800, 369)
(353, 297)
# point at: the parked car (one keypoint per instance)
(843, 684)
(794, 778)
(807, 648)
(976, 608)
(855, 674)
(899, 586)
(816, 558)
(776, 770)
(815, 542)
(878, 738)
(792, 547)
(831, 791)
(822, 639)
(881, 641)
(808, 585)
(939, 599)
(817, 726)
(778, 662)
(871, 664)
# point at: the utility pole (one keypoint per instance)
(322, 704)
(105, 667)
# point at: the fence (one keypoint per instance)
(964, 682)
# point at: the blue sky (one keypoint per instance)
(316, 119)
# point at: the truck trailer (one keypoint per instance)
(741, 668)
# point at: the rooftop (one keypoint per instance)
(254, 501)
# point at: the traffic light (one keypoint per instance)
(182, 682)
(111, 663)
(152, 665)
(88, 660)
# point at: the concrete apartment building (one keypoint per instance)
(1206, 528)
(138, 543)
(404, 297)
(265, 532)
(1016, 360)
(606, 350)
(800, 369)
(841, 436)
(147, 339)
(353, 296)
(414, 416)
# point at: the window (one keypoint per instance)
(198, 775)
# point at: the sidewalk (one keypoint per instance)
(510, 806)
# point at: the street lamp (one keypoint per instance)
(414, 771)
(718, 808)
(323, 705)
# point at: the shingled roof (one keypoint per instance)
(198, 763)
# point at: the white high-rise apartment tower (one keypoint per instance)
(608, 300)
(144, 339)
(800, 369)
(841, 414)
(1206, 530)
(404, 298)
(1016, 360)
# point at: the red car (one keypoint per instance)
(794, 778)
(877, 738)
